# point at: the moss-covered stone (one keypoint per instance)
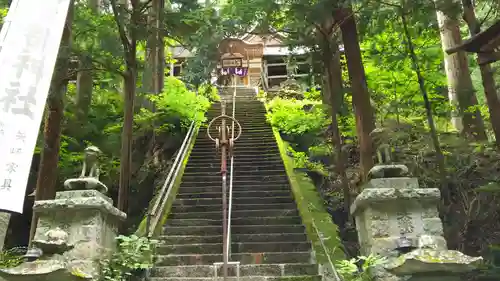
(319, 225)
(428, 261)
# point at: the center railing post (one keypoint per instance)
(225, 144)
(223, 170)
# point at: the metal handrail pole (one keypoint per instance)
(155, 207)
(320, 236)
(176, 172)
(167, 186)
(228, 242)
(224, 190)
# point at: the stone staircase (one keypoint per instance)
(268, 237)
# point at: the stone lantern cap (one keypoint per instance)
(427, 261)
(386, 190)
(79, 200)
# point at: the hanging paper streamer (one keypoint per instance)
(240, 71)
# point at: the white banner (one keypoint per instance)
(27, 61)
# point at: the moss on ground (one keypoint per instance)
(312, 210)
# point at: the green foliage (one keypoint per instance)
(390, 76)
(312, 94)
(350, 271)
(289, 117)
(301, 161)
(133, 254)
(209, 91)
(176, 107)
(11, 258)
(3, 14)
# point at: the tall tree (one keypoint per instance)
(127, 16)
(84, 80)
(334, 99)
(365, 122)
(155, 55)
(490, 89)
(467, 119)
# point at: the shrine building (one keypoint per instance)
(264, 60)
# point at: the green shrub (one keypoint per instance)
(176, 108)
(209, 91)
(350, 271)
(290, 118)
(313, 94)
(133, 254)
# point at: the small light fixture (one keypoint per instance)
(404, 245)
(33, 254)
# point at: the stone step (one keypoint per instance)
(252, 154)
(269, 237)
(249, 128)
(246, 104)
(241, 107)
(208, 146)
(247, 140)
(237, 194)
(237, 186)
(249, 123)
(176, 208)
(236, 177)
(290, 269)
(244, 258)
(257, 168)
(235, 214)
(254, 113)
(255, 154)
(249, 171)
(236, 201)
(243, 278)
(235, 221)
(242, 247)
(240, 149)
(256, 158)
(237, 229)
(253, 123)
(248, 151)
(242, 173)
(237, 182)
(241, 161)
(246, 121)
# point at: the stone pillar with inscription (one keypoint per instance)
(397, 219)
(75, 231)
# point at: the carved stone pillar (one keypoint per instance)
(75, 231)
(395, 209)
(389, 208)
